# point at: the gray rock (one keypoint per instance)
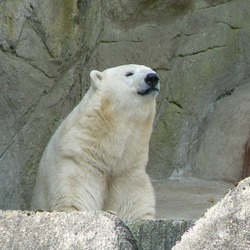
(225, 226)
(85, 230)
(77, 230)
(220, 138)
(200, 49)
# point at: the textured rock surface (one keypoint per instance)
(200, 49)
(151, 235)
(77, 230)
(81, 230)
(225, 226)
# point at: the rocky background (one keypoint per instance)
(199, 48)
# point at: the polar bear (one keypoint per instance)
(96, 159)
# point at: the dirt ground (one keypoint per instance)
(187, 199)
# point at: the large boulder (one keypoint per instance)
(225, 226)
(85, 230)
(75, 230)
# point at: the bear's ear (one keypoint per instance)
(96, 77)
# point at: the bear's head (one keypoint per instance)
(133, 81)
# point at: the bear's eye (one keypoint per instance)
(129, 74)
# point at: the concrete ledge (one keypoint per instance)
(82, 230)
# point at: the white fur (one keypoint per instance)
(97, 157)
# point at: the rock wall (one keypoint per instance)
(200, 49)
(44, 45)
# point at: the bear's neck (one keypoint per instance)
(106, 129)
(122, 137)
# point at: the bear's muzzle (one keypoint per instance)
(153, 86)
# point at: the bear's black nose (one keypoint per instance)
(151, 79)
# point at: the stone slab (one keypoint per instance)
(75, 230)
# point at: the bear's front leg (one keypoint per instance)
(78, 188)
(131, 196)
